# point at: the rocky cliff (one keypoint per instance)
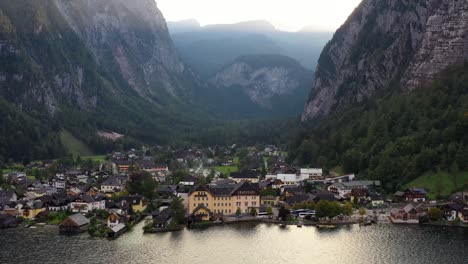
(387, 46)
(263, 77)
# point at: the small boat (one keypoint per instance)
(327, 226)
(299, 224)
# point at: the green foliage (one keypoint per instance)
(269, 192)
(142, 183)
(434, 213)
(269, 210)
(73, 145)
(283, 214)
(397, 138)
(253, 211)
(178, 211)
(347, 209)
(441, 183)
(362, 211)
(327, 209)
(238, 211)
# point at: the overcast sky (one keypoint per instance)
(290, 15)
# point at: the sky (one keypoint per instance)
(288, 15)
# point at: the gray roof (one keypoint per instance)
(118, 228)
(79, 219)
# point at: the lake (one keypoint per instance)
(243, 244)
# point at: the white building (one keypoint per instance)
(312, 172)
(291, 179)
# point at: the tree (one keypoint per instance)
(296, 206)
(434, 213)
(311, 205)
(178, 210)
(362, 211)
(347, 209)
(269, 210)
(283, 214)
(143, 184)
(327, 209)
(238, 211)
(253, 211)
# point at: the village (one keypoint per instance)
(173, 189)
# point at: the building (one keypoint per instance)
(411, 195)
(409, 214)
(76, 223)
(250, 176)
(86, 203)
(342, 189)
(137, 202)
(115, 219)
(111, 185)
(291, 179)
(162, 219)
(269, 200)
(224, 199)
(313, 173)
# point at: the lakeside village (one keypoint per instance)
(106, 196)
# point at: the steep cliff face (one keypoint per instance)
(134, 36)
(264, 77)
(388, 45)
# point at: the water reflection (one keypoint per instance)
(245, 243)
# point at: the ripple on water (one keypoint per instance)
(245, 243)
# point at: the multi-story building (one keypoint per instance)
(224, 199)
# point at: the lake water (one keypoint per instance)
(243, 244)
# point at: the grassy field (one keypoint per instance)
(337, 171)
(235, 160)
(226, 169)
(74, 145)
(441, 183)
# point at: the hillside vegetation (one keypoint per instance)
(398, 138)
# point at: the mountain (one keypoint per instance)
(254, 26)
(388, 46)
(275, 85)
(188, 25)
(209, 48)
(78, 65)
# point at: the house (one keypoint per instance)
(408, 214)
(115, 218)
(137, 202)
(269, 200)
(290, 190)
(7, 197)
(117, 230)
(76, 223)
(202, 213)
(411, 195)
(30, 210)
(189, 180)
(86, 203)
(162, 219)
(250, 176)
(341, 189)
(377, 200)
(359, 195)
(111, 185)
(464, 215)
(225, 199)
(298, 198)
(317, 196)
(122, 165)
(452, 211)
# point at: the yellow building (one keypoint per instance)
(32, 209)
(223, 199)
(138, 203)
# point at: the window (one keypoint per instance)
(194, 205)
(246, 203)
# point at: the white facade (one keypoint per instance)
(291, 179)
(313, 172)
